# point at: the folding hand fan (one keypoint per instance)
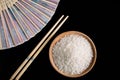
(21, 20)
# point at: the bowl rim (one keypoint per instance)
(61, 35)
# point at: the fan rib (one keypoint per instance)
(54, 1)
(36, 13)
(49, 2)
(29, 29)
(0, 42)
(35, 25)
(26, 24)
(37, 10)
(8, 25)
(12, 7)
(32, 13)
(42, 6)
(5, 30)
(18, 21)
(16, 30)
(1, 33)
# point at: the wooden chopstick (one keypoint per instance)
(37, 50)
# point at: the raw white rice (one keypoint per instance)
(72, 54)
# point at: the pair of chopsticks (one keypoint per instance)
(26, 63)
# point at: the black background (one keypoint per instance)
(88, 17)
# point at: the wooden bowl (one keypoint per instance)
(76, 33)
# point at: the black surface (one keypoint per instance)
(90, 19)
